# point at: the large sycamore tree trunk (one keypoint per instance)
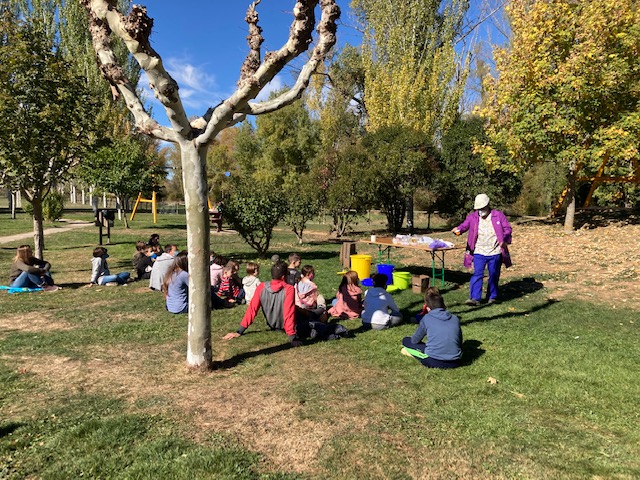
(194, 163)
(194, 138)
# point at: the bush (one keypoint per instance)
(52, 206)
(254, 209)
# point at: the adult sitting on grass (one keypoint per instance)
(444, 335)
(28, 271)
(100, 274)
(176, 285)
(277, 300)
(161, 266)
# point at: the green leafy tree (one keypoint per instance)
(400, 161)
(413, 76)
(344, 193)
(43, 105)
(568, 89)
(288, 138)
(303, 201)
(124, 168)
(254, 209)
(463, 174)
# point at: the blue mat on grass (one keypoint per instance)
(19, 289)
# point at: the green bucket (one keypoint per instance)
(401, 280)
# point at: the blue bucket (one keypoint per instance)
(387, 270)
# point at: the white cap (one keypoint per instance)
(481, 201)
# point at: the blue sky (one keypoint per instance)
(203, 45)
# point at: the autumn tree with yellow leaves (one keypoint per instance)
(413, 76)
(567, 89)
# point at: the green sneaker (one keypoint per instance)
(410, 352)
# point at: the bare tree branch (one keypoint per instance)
(134, 30)
(255, 39)
(300, 37)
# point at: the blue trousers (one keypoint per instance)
(492, 264)
(31, 280)
(417, 350)
(120, 278)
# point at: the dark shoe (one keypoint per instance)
(492, 301)
(472, 303)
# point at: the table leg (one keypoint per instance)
(439, 255)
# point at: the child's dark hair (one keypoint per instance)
(380, 280)
(252, 267)
(141, 246)
(294, 257)
(307, 270)
(433, 299)
(99, 251)
(278, 270)
(220, 260)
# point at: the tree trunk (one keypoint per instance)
(13, 201)
(410, 224)
(38, 230)
(570, 200)
(198, 233)
(122, 210)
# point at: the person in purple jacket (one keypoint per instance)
(487, 247)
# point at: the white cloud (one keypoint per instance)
(190, 76)
(275, 84)
(199, 89)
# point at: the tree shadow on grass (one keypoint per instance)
(241, 357)
(284, 256)
(8, 428)
(513, 290)
(515, 314)
(73, 285)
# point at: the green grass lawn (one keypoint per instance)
(94, 383)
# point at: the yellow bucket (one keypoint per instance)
(362, 265)
(402, 280)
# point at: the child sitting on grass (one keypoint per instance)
(380, 311)
(293, 274)
(217, 264)
(228, 289)
(100, 274)
(251, 281)
(308, 300)
(348, 302)
(176, 285)
(444, 335)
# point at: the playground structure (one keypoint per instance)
(599, 178)
(152, 201)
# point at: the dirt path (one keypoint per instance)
(71, 225)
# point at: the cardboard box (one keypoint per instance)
(346, 250)
(419, 283)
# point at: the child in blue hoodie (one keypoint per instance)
(444, 335)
